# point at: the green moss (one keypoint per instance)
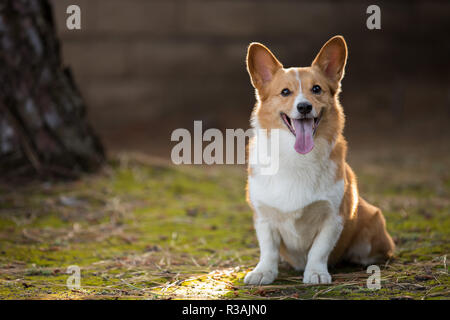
(144, 231)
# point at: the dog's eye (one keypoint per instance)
(285, 92)
(316, 89)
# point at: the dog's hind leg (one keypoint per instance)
(372, 243)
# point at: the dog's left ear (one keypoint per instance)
(332, 58)
(261, 64)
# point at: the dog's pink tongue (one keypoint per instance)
(304, 142)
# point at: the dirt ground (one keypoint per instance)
(145, 229)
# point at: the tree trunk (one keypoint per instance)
(43, 127)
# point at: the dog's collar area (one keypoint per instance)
(289, 124)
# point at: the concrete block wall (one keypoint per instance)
(140, 59)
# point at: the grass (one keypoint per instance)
(140, 230)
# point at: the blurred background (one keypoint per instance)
(146, 67)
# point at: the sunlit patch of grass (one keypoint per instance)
(213, 285)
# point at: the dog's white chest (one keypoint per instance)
(298, 198)
(300, 181)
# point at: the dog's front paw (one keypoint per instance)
(316, 276)
(257, 277)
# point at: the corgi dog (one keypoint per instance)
(309, 212)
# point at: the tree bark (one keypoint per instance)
(43, 126)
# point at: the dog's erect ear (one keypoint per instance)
(332, 58)
(261, 64)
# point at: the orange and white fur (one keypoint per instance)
(309, 212)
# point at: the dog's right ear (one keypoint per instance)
(332, 58)
(261, 64)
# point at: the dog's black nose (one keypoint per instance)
(304, 107)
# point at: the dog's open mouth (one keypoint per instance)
(304, 130)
